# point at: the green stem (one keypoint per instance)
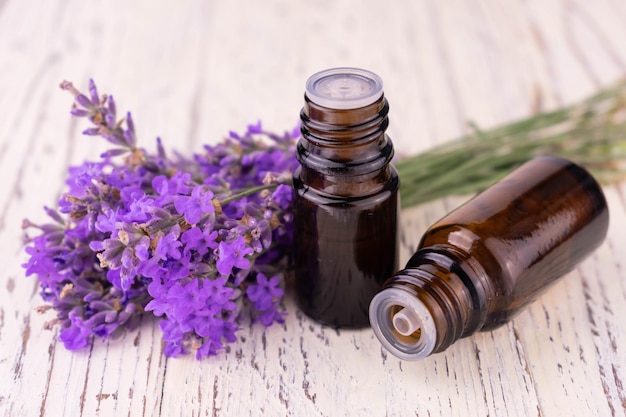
(247, 192)
(592, 133)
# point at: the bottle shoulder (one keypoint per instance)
(361, 191)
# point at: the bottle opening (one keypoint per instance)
(344, 88)
(403, 324)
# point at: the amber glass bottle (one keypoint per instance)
(346, 206)
(479, 265)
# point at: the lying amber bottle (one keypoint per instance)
(481, 264)
(346, 205)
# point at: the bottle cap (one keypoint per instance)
(344, 88)
(403, 324)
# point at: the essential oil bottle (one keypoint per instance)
(346, 205)
(481, 264)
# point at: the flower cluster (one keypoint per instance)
(198, 241)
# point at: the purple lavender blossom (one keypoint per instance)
(76, 336)
(168, 245)
(190, 240)
(194, 206)
(199, 241)
(72, 280)
(233, 255)
(266, 294)
(283, 196)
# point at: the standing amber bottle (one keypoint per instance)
(346, 206)
(479, 265)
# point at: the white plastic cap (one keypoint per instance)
(395, 315)
(344, 88)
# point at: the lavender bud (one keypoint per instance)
(113, 244)
(96, 245)
(98, 305)
(92, 131)
(76, 112)
(123, 316)
(159, 213)
(54, 233)
(254, 129)
(54, 215)
(93, 92)
(77, 311)
(117, 292)
(114, 331)
(110, 121)
(130, 123)
(111, 106)
(109, 136)
(133, 322)
(160, 149)
(152, 166)
(96, 319)
(129, 138)
(83, 101)
(110, 317)
(203, 269)
(114, 152)
(92, 296)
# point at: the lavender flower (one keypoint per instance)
(194, 206)
(265, 294)
(233, 255)
(191, 240)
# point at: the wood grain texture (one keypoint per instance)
(193, 70)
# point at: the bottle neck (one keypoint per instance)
(426, 307)
(345, 151)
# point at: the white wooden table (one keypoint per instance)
(193, 70)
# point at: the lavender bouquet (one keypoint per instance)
(201, 242)
(198, 241)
